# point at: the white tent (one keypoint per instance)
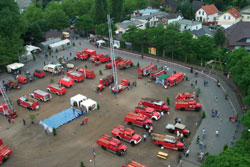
(14, 67)
(77, 99)
(89, 105)
(60, 45)
(32, 49)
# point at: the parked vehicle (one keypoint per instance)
(27, 102)
(126, 134)
(175, 79)
(157, 73)
(134, 164)
(76, 76)
(22, 79)
(96, 57)
(90, 74)
(6, 111)
(125, 64)
(145, 71)
(178, 127)
(89, 52)
(105, 82)
(12, 85)
(186, 101)
(39, 74)
(148, 111)
(138, 120)
(158, 105)
(167, 141)
(5, 152)
(41, 95)
(104, 59)
(112, 144)
(66, 81)
(117, 60)
(56, 89)
(123, 85)
(53, 68)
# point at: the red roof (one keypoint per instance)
(210, 9)
(234, 12)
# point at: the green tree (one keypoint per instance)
(186, 9)
(142, 4)
(219, 38)
(69, 8)
(174, 26)
(129, 6)
(102, 29)
(117, 9)
(100, 11)
(12, 25)
(33, 13)
(156, 4)
(34, 33)
(85, 23)
(83, 7)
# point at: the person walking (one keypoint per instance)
(149, 132)
(63, 71)
(196, 82)
(86, 120)
(203, 133)
(198, 140)
(217, 132)
(216, 98)
(24, 122)
(144, 137)
(9, 120)
(201, 145)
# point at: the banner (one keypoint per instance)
(152, 51)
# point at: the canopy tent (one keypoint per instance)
(51, 41)
(161, 79)
(14, 67)
(77, 99)
(89, 105)
(60, 45)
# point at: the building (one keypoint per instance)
(173, 17)
(153, 19)
(143, 12)
(245, 14)
(205, 30)
(52, 34)
(196, 5)
(189, 25)
(229, 18)
(238, 35)
(124, 26)
(207, 13)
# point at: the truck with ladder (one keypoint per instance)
(157, 73)
(167, 141)
(145, 71)
(134, 164)
(5, 152)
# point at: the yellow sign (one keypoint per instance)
(152, 51)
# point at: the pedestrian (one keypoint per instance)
(146, 126)
(45, 130)
(216, 113)
(115, 94)
(63, 71)
(149, 132)
(196, 82)
(82, 123)
(198, 140)
(201, 145)
(100, 93)
(204, 82)
(217, 132)
(144, 137)
(79, 43)
(191, 85)
(182, 138)
(178, 134)
(70, 54)
(86, 120)
(76, 69)
(9, 120)
(216, 98)
(24, 122)
(203, 133)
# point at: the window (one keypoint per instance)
(199, 12)
(228, 17)
(224, 17)
(197, 18)
(196, 27)
(242, 17)
(202, 13)
(248, 17)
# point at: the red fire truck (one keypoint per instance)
(56, 89)
(125, 64)
(5, 152)
(145, 71)
(167, 141)
(134, 164)
(89, 52)
(186, 101)
(117, 60)
(138, 120)
(175, 79)
(41, 95)
(112, 144)
(148, 111)
(104, 59)
(4, 109)
(90, 74)
(123, 85)
(157, 72)
(27, 102)
(158, 105)
(66, 81)
(126, 134)
(76, 76)
(22, 79)
(105, 82)
(39, 74)
(100, 57)
(178, 127)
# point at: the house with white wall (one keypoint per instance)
(229, 18)
(124, 26)
(189, 25)
(207, 13)
(245, 14)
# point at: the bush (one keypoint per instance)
(100, 72)
(32, 117)
(225, 147)
(54, 131)
(82, 164)
(51, 80)
(203, 115)
(191, 70)
(74, 44)
(132, 126)
(56, 50)
(198, 92)
(138, 64)
(168, 100)
(86, 66)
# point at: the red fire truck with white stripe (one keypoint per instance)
(187, 101)
(41, 95)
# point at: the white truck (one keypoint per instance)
(53, 68)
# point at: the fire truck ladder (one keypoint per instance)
(112, 54)
(6, 100)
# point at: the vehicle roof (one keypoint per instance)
(75, 73)
(43, 93)
(166, 138)
(66, 78)
(174, 76)
(180, 126)
(55, 86)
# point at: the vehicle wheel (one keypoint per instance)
(171, 130)
(180, 149)
(48, 90)
(18, 102)
(103, 147)
(29, 108)
(118, 137)
(130, 123)
(41, 99)
(197, 109)
(154, 119)
(133, 143)
(131, 65)
(118, 153)
(160, 145)
(57, 94)
(182, 108)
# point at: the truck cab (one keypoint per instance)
(5, 152)
(76, 76)
(148, 111)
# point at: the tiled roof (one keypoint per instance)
(234, 13)
(125, 24)
(203, 31)
(210, 9)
